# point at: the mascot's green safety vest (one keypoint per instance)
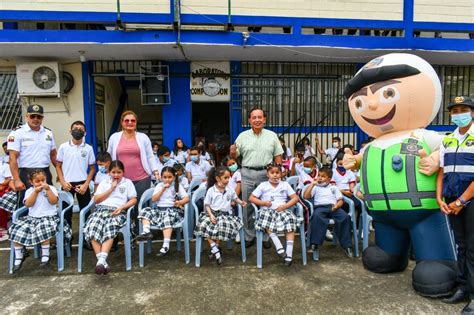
(390, 179)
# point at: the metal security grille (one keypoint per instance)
(300, 99)
(10, 105)
(455, 81)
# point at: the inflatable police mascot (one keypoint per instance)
(392, 98)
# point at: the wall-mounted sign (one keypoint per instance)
(210, 81)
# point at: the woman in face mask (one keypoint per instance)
(454, 192)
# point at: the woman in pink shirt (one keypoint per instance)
(135, 151)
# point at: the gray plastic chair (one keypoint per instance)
(298, 208)
(63, 197)
(181, 227)
(198, 194)
(293, 181)
(125, 230)
(365, 218)
(351, 213)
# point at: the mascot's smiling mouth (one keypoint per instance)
(384, 120)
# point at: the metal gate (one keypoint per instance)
(306, 101)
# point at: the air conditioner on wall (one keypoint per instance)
(39, 79)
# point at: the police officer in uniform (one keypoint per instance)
(31, 146)
(454, 192)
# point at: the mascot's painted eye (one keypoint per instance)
(359, 105)
(389, 94)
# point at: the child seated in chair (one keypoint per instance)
(114, 196)
(169, 198)
(275, 198)
(218, 223)
(41, 223)
(327, 201)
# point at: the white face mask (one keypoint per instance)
(335, 145)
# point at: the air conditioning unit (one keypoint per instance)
(39, 79)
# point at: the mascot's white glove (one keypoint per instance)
(349, 161)
(429, 164)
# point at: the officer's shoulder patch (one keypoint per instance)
(18, 127)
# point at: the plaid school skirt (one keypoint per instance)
(226, 228)
(9, 201)
(278, 222)
(162, 217)
(29, 231)
(102, 225)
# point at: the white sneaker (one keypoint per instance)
(329, 236)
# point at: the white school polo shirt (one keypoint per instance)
(160, 165)
(184, 182)
(100, 177)
(121, 194)
(180, 157)
(328, 195)
(34, 146)
(343, 180)
(198, 170)
(42, 207)
(303, 178)
(234, 180)
(4, 172)
(75, 160)
(220, 201)
(168, 197)
(277, 195)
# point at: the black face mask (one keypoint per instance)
(77, 134)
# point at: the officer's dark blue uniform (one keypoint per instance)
(457, 161)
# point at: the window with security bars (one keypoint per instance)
(10, 105)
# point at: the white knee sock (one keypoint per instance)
(166, 242)
(18, 255)
(44, 253)
(102, 258)
(146, 228)
(289, 249)
(215, 250)
(276, 241)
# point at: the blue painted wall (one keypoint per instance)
(177, 116)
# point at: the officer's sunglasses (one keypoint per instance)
(129, 121)
(33, 116)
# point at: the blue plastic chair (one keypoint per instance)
(181, 227)
(193, 185)
(298, 208)
(127, 237)
(198, 194)
(351, 213)
(63, 197)
(365, 218)
(293, 181)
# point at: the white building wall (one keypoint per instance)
(130, 6)
(455, 11)
(353, 9)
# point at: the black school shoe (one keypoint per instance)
(288, 261)
(144, 237)
(18, 267)
(348, 252)
(281, 253)
(44, 263)
(459, 296)
(267, 244)
(163, 253)
(250, 243)
(99, 269)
